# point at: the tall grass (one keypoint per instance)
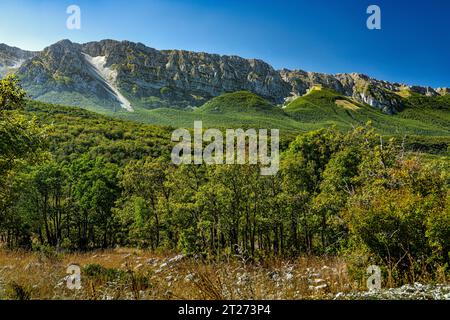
(135, 274)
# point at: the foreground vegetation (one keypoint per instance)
(138, 274)
(123, 273)
(75, 181)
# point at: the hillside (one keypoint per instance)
(99, 183)
(74, 131)
(131, 81)
(316, 110)
(325, 107)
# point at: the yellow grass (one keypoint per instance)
(347, 105)
(138, 274)
(404, 93)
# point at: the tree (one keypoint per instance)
(147, 193)
(303, 166)
(96, 189)
(399, 213)
(11, 94)
(21, 141)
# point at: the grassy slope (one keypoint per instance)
(319, 106)
(315, 110)
(435, 111)
(424, 120)
(426, 116)
(77, 128)
(239, 109)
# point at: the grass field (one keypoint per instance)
(134, 274)
(137, 274)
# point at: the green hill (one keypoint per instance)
(325, 107)
(434, 111)
(240, 102)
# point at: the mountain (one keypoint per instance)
(12, 58)
(378, 94)
(64, 74)
(93, 74)
(124, 76)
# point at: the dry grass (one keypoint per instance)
(136, 274)
(347, 105)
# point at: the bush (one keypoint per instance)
(15, 291)
(97, 272)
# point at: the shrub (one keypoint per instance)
(15, 291)
(97, 272)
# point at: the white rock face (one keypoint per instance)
(109, 76)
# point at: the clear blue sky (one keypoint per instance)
(324, 36)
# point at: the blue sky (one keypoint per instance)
(412, 47)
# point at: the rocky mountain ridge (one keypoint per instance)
(11, 58)
(149, 78)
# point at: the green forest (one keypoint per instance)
(73, 180)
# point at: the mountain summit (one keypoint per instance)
(122, 75)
